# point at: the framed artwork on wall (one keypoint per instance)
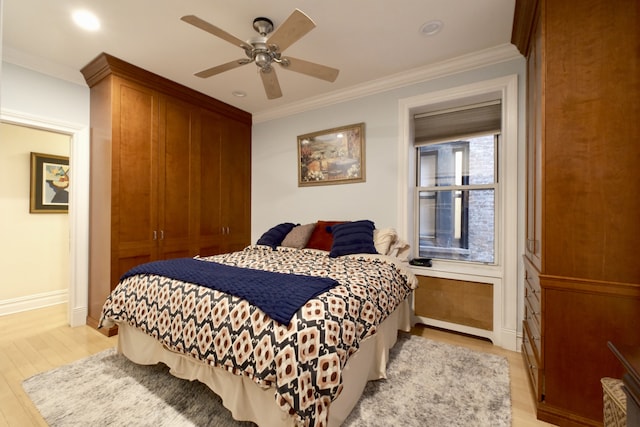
(49, 184)
(332, 156)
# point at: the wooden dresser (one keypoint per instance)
(170, 174)
(582, 275)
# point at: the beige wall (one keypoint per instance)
(34, 248)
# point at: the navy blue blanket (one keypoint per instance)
(279, 295)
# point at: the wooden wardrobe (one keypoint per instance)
(170, 174)
(582, 274)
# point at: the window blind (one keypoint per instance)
(453, 123)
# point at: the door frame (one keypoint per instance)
(78, 206)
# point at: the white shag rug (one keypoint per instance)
(428, 384)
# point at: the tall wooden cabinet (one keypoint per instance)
(170, 174)
(582, 275)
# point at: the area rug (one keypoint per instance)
(428, 384)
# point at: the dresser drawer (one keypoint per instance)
(532, 320)
(532, 285)
(532, 362)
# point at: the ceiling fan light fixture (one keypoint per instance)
(263, 59)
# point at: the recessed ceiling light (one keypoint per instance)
(239, 93)
(431, 28)
(86, 20)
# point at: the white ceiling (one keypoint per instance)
(367, 40)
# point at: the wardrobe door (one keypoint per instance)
(535, 118)
(235, 177)
(209, 225)
(176, 178)
(134, 176)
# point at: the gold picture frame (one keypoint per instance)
(49, 184)
(332, 156)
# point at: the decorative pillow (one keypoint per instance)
(298, 236)
(274, 236)
(383, 238)
(321, 237)
(354, 237)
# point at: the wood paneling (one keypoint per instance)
(592, 84)
(576, 352)
(455, 301)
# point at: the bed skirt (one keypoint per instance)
(246, 400)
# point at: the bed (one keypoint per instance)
(309, 370)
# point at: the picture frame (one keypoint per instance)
(50, 182)
(332, 156)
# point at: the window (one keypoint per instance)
(456, 183)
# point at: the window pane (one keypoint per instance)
(457, 225)
(482, 167)
(471, 161)
(427, 216)
(427, 169)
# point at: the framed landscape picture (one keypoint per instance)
(49, 184)
(332, 156)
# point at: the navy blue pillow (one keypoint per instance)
(355, 237)
(275, 235)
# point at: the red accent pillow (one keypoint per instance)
(321, 237)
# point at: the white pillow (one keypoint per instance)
(383, 238)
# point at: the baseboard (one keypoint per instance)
(519, 342)
(456, 327)
(78, 317)
(509, 339)
(32, 302)
(505, 338)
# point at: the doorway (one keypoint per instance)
(78, 208)
(36, 262)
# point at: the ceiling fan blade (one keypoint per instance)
(310, 69)
(212, 29)
(270, 82)
(291, 30)
(222, 68)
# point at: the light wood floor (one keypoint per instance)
(39, 340)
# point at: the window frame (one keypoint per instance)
(508, 241)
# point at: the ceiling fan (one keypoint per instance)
(266, 50)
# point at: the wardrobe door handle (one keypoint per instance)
(155, 235)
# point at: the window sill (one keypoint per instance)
(459, 270)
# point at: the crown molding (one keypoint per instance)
(483, 58)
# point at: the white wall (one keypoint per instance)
(42, 96)
(34, 256)
(276, 196)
